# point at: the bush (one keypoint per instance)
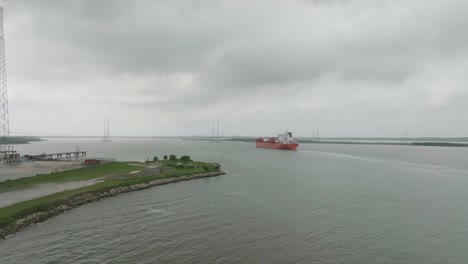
(165, 157)
(155, 158)
(216, 165)
(172, 157)
(185, 158)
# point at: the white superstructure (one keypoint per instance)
(286, 138)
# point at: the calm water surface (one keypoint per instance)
(320, 204)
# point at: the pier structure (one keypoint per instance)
(58, 156)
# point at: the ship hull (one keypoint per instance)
(276, 145)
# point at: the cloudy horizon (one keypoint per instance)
(356, 68)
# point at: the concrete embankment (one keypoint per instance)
(89, 197)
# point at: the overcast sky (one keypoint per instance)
(169, 67)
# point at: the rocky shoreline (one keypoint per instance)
(89, 197)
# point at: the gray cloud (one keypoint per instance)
(387, 43)
(144, 36)
(206, 59)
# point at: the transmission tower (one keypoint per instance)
(106, 136)
(4, 120)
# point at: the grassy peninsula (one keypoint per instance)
(114, 178)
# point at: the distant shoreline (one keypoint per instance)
(422, 141)
(425, 144)
(345, 142)
(17, 140)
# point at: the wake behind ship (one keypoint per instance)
(282, 141)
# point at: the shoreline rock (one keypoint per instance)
(89, 197)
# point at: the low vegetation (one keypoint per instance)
(81, 174)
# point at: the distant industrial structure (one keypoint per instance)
(4, 119)
(106, 135)
(7, 154)
(215, 135)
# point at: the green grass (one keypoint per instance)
(9, 214)
(81, 174)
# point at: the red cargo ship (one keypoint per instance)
(282, 141)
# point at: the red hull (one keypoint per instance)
(276, 145)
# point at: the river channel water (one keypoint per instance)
(319, 204)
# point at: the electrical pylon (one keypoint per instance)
(4, 118)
